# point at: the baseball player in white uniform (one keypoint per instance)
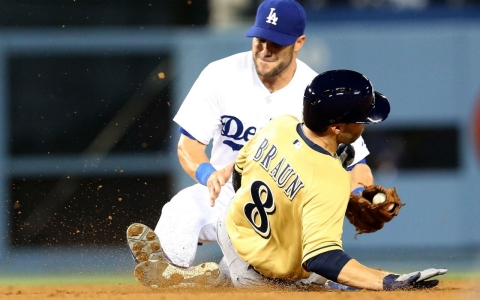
(230, 101)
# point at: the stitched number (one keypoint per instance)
(262, 206)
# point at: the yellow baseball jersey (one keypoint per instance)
(291, 203)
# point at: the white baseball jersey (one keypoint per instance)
(229, 104)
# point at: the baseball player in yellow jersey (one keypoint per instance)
(286, 218)
(286, 192)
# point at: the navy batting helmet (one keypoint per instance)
(342, 96)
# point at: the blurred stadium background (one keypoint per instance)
(88, 90)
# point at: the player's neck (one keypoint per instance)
(281, 80)
(326, 141)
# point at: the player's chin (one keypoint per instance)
(348, 138)
(264, 68)
(267, 72)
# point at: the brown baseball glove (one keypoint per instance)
(369, 217)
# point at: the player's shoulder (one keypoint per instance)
(305, 69)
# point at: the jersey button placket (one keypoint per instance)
(267, 102)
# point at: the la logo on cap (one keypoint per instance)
(278, 21)
(272, 17)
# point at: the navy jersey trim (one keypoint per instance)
(328, 246)
(309, 142)
(184, 132)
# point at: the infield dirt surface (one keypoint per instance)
(447, 290)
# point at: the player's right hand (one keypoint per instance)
(218, 179)
(414, 280)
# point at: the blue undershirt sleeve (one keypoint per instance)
(328, 264)
(184, 132)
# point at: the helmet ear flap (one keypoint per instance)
(313, 119)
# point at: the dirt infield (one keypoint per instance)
(448, 290)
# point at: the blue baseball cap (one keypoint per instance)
(279, 21)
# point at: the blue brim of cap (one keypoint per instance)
(379, 112)
(271, 35)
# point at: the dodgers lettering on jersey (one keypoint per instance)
(232, 127)
(292, 201)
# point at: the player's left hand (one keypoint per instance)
(367, 216)
(218, 179)
(414, 280)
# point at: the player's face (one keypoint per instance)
(350, 133)
(270, 58)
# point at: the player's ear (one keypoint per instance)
(336, 128)
(299, 43)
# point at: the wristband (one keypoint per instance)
(203, 172)
(358, 190)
